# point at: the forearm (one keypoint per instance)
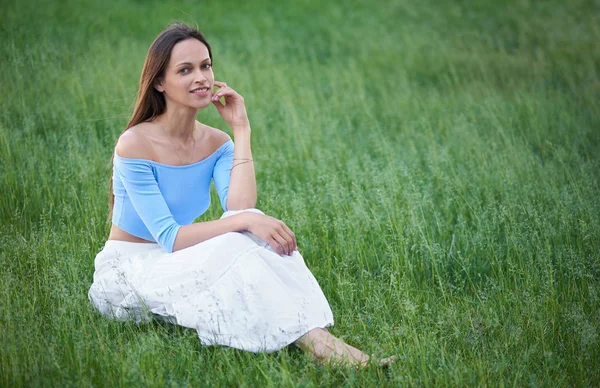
(242, 185)
(189, 235)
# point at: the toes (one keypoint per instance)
(385, 362)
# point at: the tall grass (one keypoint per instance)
(437, 161)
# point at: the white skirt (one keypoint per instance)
(233, 289)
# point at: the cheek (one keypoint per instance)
(180, 85)
(171, 84)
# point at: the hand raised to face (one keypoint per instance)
(233, 110)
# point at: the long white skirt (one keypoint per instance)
(233, 289)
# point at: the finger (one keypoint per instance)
(275, 244)
(289, 232)
(290, 238)
(281, 242)
(219, 85)
(225, 92)
(216, 95)
(219, 105)
(228, 93)
(286, 242)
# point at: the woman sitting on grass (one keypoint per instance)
(239, 281)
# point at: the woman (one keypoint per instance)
(239, 281)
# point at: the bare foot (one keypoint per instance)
(365, 359)
(385, 362)
(327, 349)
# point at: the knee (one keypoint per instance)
(229, 213)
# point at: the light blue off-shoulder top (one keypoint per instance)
(153, 200)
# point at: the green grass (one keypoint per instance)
(438, 162)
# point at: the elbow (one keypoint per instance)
(167, 239)
(241, 204)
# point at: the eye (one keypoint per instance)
(185, 70)
(207, 66)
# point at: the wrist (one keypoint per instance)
(242, 221)
(241, 129)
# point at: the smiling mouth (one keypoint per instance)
(199, 90)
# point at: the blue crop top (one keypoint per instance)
(153, 200)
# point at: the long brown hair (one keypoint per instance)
(150, 103)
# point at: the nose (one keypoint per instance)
(200, 77)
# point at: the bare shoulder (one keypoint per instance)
(134, 144)
(215, 137)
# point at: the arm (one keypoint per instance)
(193, 234)
(143, 191)
(237, 191)
(242, 182)
(135, 172)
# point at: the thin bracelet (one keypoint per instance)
(249, 160)
(235, 165)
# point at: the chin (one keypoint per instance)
(201, 104)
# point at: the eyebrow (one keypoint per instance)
(190, 63)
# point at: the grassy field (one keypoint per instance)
(439, 163)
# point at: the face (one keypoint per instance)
(188, 79)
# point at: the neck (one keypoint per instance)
(178, 123)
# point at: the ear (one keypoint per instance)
(158, 85)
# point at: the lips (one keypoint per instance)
(200, 90)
